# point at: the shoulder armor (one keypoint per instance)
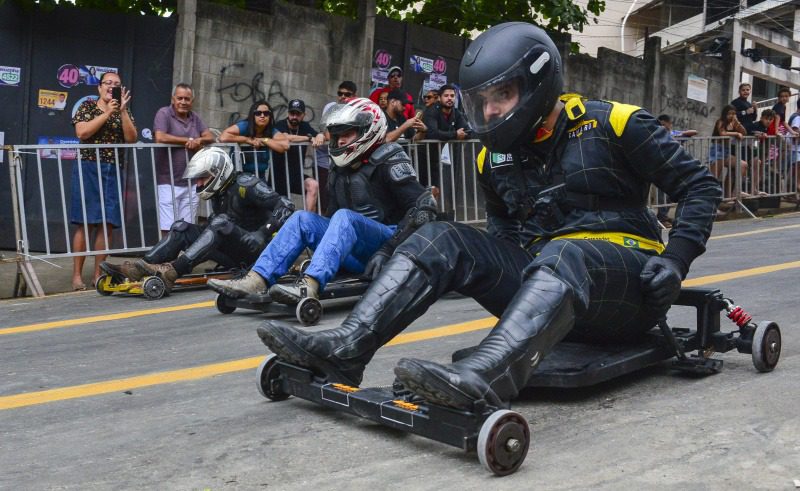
(619, 115)
(245, 178)
(387, 152)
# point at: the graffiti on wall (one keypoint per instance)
(251, 91)
(679, 106)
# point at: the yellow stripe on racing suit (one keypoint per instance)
(630, 241)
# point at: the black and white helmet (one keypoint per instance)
(511, 77)
(210, 161)
(359, 114)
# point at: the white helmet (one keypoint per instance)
(210, 161)
(359, 114)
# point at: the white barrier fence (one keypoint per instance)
(46, 179)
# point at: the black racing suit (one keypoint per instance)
(606, 155)
(568, 237)
(246, 213)
(577, 200)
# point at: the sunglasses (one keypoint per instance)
(430, 97)
(262, 113)
(344, 94)
(395, 75)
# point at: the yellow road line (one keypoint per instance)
(204, 371)
(101, 318)
(753, 232)
(744, 273)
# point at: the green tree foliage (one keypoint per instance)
(453, 16)
(465, 16)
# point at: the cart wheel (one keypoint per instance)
(304, 265)
(102, 282)
(153, 288)
(503, 442)
(766, 346)
(267, 377)
(309, 311)
(223, 306)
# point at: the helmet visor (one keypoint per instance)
(490, 104)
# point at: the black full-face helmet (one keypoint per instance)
(511, 78)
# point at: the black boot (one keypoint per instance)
(400, 294)
(539, 316)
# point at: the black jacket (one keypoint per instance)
(441, 128)
(613, 152)
(384, 188)
(247, 201)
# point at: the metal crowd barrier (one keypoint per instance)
(748, 168)
(41, 185)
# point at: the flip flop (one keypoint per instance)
(78, 287)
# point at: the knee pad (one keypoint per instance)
(221, 223)
(179, 226)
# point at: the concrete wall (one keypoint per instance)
(236, 56)
(657, 82)
(290, 52)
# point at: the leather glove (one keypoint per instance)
(661, 283)
(375, 264)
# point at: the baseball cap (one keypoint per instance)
(395, 69)
(297, 105)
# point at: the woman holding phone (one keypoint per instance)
(95, 199)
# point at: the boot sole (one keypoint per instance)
(225, 291)
(431, 387)
(280, 296)
(286, 349)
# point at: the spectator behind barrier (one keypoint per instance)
(745, 112)
(722, 155)
(258, 131)
(177, 124)
(396, 83)
(430, 98)
(398, 126)
(298, 131)
(443, 122)
(105, 120)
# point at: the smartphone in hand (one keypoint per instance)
(116, 94)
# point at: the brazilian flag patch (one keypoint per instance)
(630, 242)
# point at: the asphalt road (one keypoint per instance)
(120, 393)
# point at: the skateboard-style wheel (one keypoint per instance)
(308, 311)
(267, 375)
(102, 283)
(223, 306)
(153, 288)
(503, 442)
(766, 346)
(304, 265)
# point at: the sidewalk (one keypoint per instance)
(55, 277)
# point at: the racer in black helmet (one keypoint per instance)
(511, 77)
(571, 248)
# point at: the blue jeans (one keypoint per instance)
(345, 241)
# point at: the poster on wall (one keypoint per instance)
(69, 75)
(380, 77)
(697, 89)
(53, 153)
(10, 76)
(52, 99)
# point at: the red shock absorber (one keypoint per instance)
(739, 316)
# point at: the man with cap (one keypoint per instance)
(300, 134)
(398, 126)
(396, 83)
